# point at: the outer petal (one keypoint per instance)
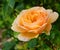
(27, 36)
(37, 8)
(49, 11)
(18, 29)
(47, 29)
(39, 30)
(52, 15)
(15, 26)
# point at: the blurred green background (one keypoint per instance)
(9, 9)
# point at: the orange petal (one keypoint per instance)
(52, 15)
(39, 30)
(47, 29)
(27, 36)
(15, 28)
(18, 28)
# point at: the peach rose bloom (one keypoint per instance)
(34, 21)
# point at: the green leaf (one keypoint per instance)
(32, 43)
(9, 45)
(11, 3)
(15, 34)
(6, 11)
(1, 24)
(7, 33)
(57, 6)
(19, 7)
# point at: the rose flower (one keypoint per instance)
(34, 21)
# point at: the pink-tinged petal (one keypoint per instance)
(22, 38)
(48, 29)
(15, 28)
(37, 8)
(53, 16)
(27, 37)
(49, 11)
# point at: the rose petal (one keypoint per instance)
(37, 8)
(52, 15)
(18, 28)
(49, 11)
(39, 30)
(22, 38)
(15, 28)
(27, 37)
(47, 29)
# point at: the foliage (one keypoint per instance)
(9, 9)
